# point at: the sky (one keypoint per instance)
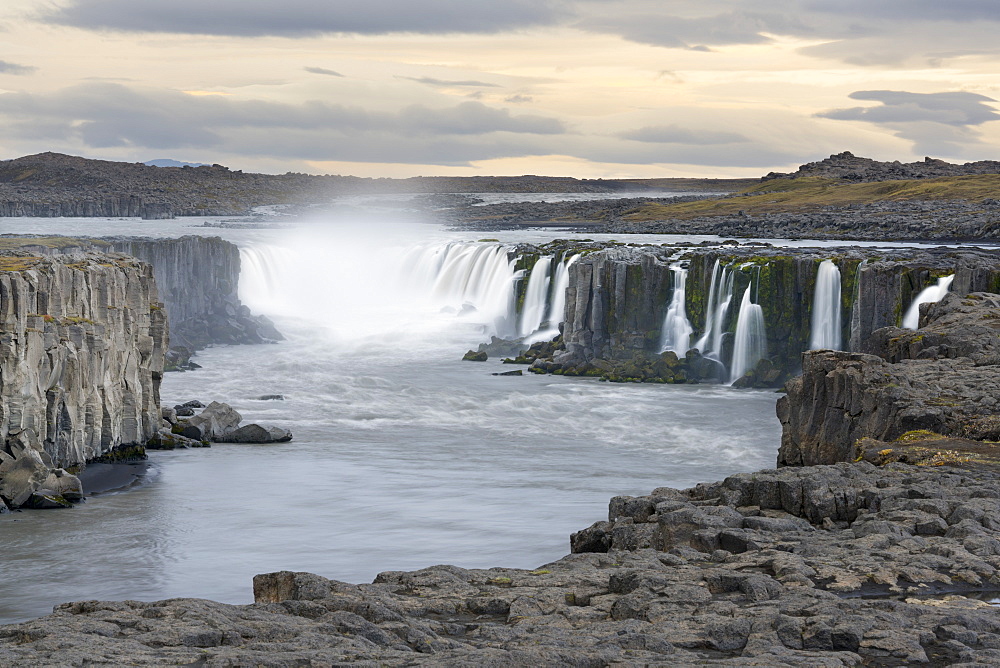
(585, 88)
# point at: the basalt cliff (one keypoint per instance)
(82, 341)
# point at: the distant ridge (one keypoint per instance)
(52, 184)
(849, 167)
(167, 162)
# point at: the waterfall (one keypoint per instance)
(555, 313)
(720, 295)
(750, 345)
(826, 328)
(932, 293)
(536, 297)
(677, 328)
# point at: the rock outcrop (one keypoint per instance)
(943, 378)
(844, 565)
(850, 167)
(82, 341)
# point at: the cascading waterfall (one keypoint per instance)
(720, 296)
(826, 327)
(677, 330)
(750, 344)
(556, 311)
(932, 293)
(536, 297)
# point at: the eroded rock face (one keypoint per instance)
(81, 347)
(759, 569)
(198, 279)
(943, 378)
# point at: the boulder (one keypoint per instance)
(64, 484)
(22, 473)
(213, 423)
(254, 433)
(165, 439)
(169, 415)
(271, 397)
(473, 356)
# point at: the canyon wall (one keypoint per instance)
(198, 280)
(618, 297)
(82, 341)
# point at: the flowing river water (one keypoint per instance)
(403, 456)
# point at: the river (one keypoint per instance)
(403, 456)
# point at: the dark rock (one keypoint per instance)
(271, 397)
(515, 372)
(473, 356)
(254, 433)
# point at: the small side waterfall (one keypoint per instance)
(720, 296)
(932, 293)
(555, 313)
(677, 330)
(826, 327)
(536, 297)
(750, 344)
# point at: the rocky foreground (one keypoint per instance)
(841, 565)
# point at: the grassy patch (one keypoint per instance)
(814, 192)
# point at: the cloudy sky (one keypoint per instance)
(589, 88)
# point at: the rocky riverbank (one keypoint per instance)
(843, 565)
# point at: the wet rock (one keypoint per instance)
(474, 356)
(165, 439)
(213, 423)
(254, 433)
(271, 397)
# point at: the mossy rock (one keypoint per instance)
(474, 356)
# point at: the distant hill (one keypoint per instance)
(167, 162)
(53, 184)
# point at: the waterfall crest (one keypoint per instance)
(677, 330)
(750, 344)
(932, 293)
(826, 320)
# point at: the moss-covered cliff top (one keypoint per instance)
(53, 242)
(814, 193)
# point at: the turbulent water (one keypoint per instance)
(403, 455)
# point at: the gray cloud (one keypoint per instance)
(674, 134)
(323, 70)
(958, 108)
(859, 32)
(14, 68)
(107, 116)
(431, 81)
(936, 123)
(305, 17)
(518, 99)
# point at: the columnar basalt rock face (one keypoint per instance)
(943, 378)
(82, 340)
(617, 297)
(198, 279)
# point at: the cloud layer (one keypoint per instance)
(296, 18)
